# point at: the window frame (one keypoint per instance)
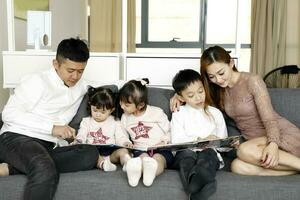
(145, 43)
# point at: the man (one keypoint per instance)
(35, 123)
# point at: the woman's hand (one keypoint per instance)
(270, 156)
(175, 103)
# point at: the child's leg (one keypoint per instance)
(120, 156)
(204, 172)
(184, 161)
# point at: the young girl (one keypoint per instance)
(147, 126)
(101, 128)
(196, 119)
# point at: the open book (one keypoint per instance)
(223, 145)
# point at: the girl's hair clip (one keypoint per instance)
(143, 81)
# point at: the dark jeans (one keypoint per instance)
(197, 172)
(42, 164)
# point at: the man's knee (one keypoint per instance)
(42, 170)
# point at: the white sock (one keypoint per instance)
(126, 158)
(108, 166)
(4, 169)
(149, 170)
(134, 171)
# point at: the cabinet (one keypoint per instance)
(101, 66)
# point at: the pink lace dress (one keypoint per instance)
(248, 104)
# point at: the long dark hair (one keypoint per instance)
(215, 93)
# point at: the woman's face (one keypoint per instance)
(220, 73)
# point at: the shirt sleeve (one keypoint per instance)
(18, 110)
(264, 107)
(164, 124)
(221, 129)
(83, 131)
(121, 134)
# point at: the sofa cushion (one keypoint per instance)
(160, 97)
(287, 103)
(82, 110)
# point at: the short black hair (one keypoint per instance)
(184, 78)
(102, 98)
(135, 91)
(73, 49)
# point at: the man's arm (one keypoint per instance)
(18, 110)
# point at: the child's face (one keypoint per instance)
(194, 95)
(100, 115)
(128, 108)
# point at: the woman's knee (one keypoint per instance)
(240, 167)
(250, 152)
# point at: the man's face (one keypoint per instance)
(69, 71)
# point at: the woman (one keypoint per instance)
(273, 143)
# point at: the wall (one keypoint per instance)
(4, 93)
(68, 20)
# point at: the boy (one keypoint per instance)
(196, 119)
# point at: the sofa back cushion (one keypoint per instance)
(286, 102)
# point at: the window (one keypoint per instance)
(193, 25)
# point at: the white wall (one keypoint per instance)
(4, 93)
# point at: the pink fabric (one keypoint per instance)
(248, 104)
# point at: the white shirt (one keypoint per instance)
(39, 102)
(189, 123)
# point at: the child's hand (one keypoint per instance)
(128, 144)
(211, 137)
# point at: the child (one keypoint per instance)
(196, 120)
(101, 128)
(147, 126)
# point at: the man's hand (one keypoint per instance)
(63, 132)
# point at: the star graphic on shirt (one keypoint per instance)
(141, 130)
(99, 137)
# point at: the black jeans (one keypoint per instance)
(197, 172)
(42, 164)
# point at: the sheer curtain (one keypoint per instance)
(106, 25)
(268, 39)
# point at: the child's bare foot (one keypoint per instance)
(149, 170)
(4, 169)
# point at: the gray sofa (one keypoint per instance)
(97, 184)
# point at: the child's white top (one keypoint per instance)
(190, 123)
(148, 129)
(106, 132)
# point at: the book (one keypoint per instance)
(221, 144)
